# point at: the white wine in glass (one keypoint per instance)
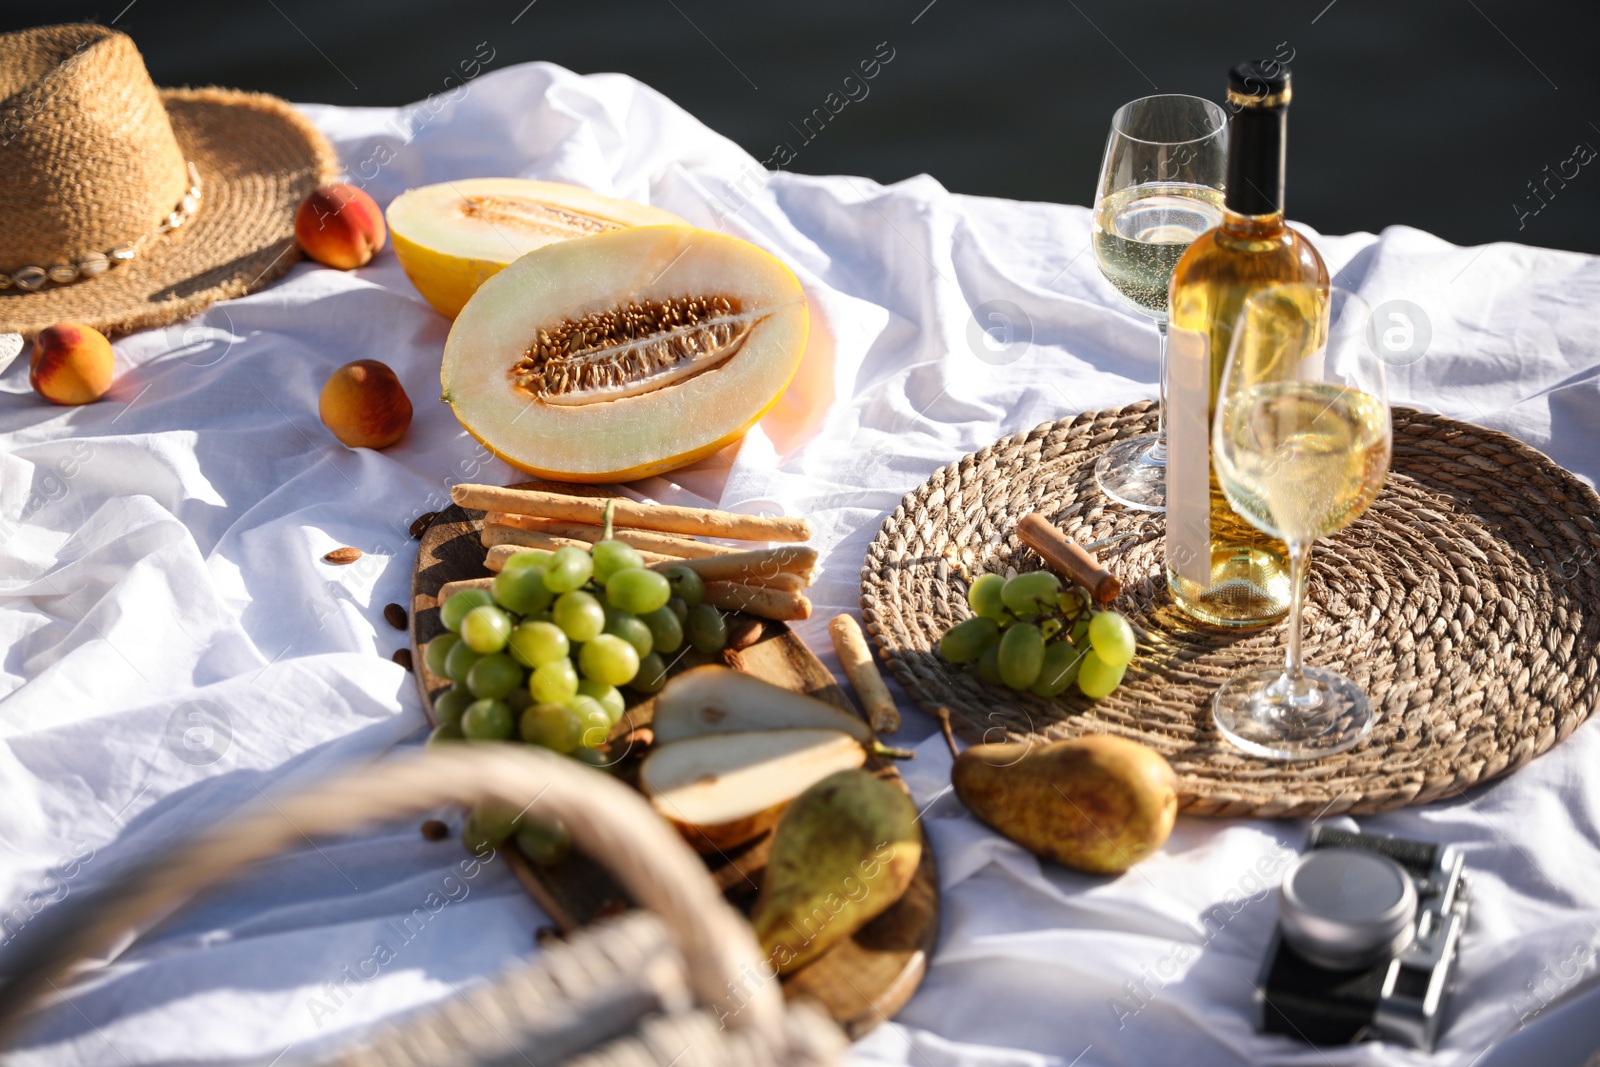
(1160, 188)
(1301, 446)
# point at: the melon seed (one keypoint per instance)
(533, 217)
(636, 348)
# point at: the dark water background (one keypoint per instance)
(1433, 113)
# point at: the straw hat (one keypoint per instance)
(123, 206)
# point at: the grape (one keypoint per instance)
(609, 659)
(966, 641)
(611, 556)
(1080, 633)
(631, 629)
(1048, 628)
(475, 841)
(1073, 601)
(534, 643)
(579, 615)
(1032, 594)
(706, 629)
(686, 584)
(679, 607)
(594, 720)
(534, 557)
(437, 649)
(448, 705)
(456, 608)
(494, 676)
(989, 665)
(518, 700)
(487, 720)
(1021, 655)
(984, 596)
(555, 726)
(600, 761)
(1059, 670)
(1112, 638)
(652, 674)
(607, 696)
(445, 735)
(638, 591)
(496, 821)
(553, 682)
(486, 629)
(544, 842)
(458, 662)
(666, 629)
(522, 590)
(1096, 677)
(568, 569)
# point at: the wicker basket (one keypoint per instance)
(670, 986)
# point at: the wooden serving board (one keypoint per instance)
(861, 981)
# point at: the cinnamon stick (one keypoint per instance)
(1069, 558)
(703, 522)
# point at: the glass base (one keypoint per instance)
(1127, 473)
(1262, 713)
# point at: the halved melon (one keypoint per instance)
(625, 354)
(452, 237)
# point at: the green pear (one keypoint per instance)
(844, 851)
(1098, 803)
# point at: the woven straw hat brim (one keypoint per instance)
(258, 158)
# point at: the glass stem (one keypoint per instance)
(1299, 563)
(1157, 453)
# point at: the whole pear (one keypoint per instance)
(844, 851)
(1098, 803)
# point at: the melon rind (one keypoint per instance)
(447, 257)
(636, 436)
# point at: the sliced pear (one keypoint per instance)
(722, 790)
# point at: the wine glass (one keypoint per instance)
(1160, 188)
(1301, 445)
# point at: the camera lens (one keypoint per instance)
(1346, 908)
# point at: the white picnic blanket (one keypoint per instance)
(173, 649)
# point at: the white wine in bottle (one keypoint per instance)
(1220, 568)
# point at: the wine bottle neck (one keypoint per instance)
(1252, 226)
(1256, 139)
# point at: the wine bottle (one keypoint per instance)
(1220, 568)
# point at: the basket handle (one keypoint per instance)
(607, 820)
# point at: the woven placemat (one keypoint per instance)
(1466, 601)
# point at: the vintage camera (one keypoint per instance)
(1368, 929)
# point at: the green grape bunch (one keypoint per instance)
(1029, 633)
(543, 654)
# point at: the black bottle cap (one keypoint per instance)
(1262, 83)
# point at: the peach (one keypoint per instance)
(341, 226)
(365, 406)
(71, 364)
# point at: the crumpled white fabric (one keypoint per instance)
(174, 649)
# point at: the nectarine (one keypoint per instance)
(341, 226)
(365, 406)
(71, 364)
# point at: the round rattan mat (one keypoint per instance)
(1466, 601)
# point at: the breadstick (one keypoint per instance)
(703, 522)
(755, 600)
(644, 540)
(856, 658)
(792, 583)
(743, 566)
(450, 589)
(496, 534)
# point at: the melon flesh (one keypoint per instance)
(739, 362)
(452, 237)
